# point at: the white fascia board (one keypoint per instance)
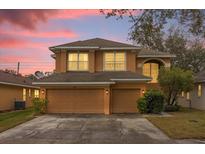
(96, 47)
(72, 83)
(119, 48)
(130, 79)
(150, 56)
(20, 85)
(80, 47)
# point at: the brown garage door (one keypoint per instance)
(124, 100)
(75, 101)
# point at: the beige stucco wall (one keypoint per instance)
(196, 102)
(9, 94)
(95, 59)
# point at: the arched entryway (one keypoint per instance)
(151, 68)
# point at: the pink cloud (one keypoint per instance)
(11, 43)
(29, 19)
(72, 14)
(38, 34)
(25, 18)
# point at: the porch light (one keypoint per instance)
(107, 91)
(42, 92)
(143, 91)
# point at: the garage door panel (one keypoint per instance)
(75, 101)
(124, 100)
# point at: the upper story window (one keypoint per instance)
(77, 61)
(151, 70)
(199, 90)
(114, 61)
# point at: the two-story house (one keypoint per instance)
(100, 76)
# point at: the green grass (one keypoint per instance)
(14, 118)
(185, 124)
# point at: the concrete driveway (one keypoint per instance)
(85, 129)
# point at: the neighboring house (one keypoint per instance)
(15, 88)
(195, 98)
(100, 76)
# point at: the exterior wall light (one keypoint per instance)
(107, 91)
(42, 92)
(143, 91)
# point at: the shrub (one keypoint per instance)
(142, 105)
(153, 101)
(171, 108)
(39, 105)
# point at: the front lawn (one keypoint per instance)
(11, 119)
(184, 124)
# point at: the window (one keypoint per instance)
(77, 61)
(151, 70)
(36, 93)
(114, 61)
(29, 93)
(182, 94)
(188, 96)
(24, 94)
(199, 91)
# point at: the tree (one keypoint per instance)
(154, 29)
(10, 71)
(173, 82)
(189, 55)
(149, 26)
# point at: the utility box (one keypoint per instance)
(19, 105)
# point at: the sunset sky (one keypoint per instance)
(25, 35)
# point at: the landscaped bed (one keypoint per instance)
(14, 118)
(185, 124)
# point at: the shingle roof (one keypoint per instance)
(103, 44)
(92, 77)
(12, 79)
(153, 53)
(200, 77)
(96, 43)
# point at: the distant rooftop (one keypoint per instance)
(200, 77)
(13, 79)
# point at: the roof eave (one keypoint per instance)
(132, 80)
(71, 83)
(20, 85)
(156, 56)
(56, 49)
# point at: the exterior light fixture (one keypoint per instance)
(42, 92)
(107, 91)
(143, 91)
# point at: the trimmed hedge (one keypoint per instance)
(152, 102)
(142, 105)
